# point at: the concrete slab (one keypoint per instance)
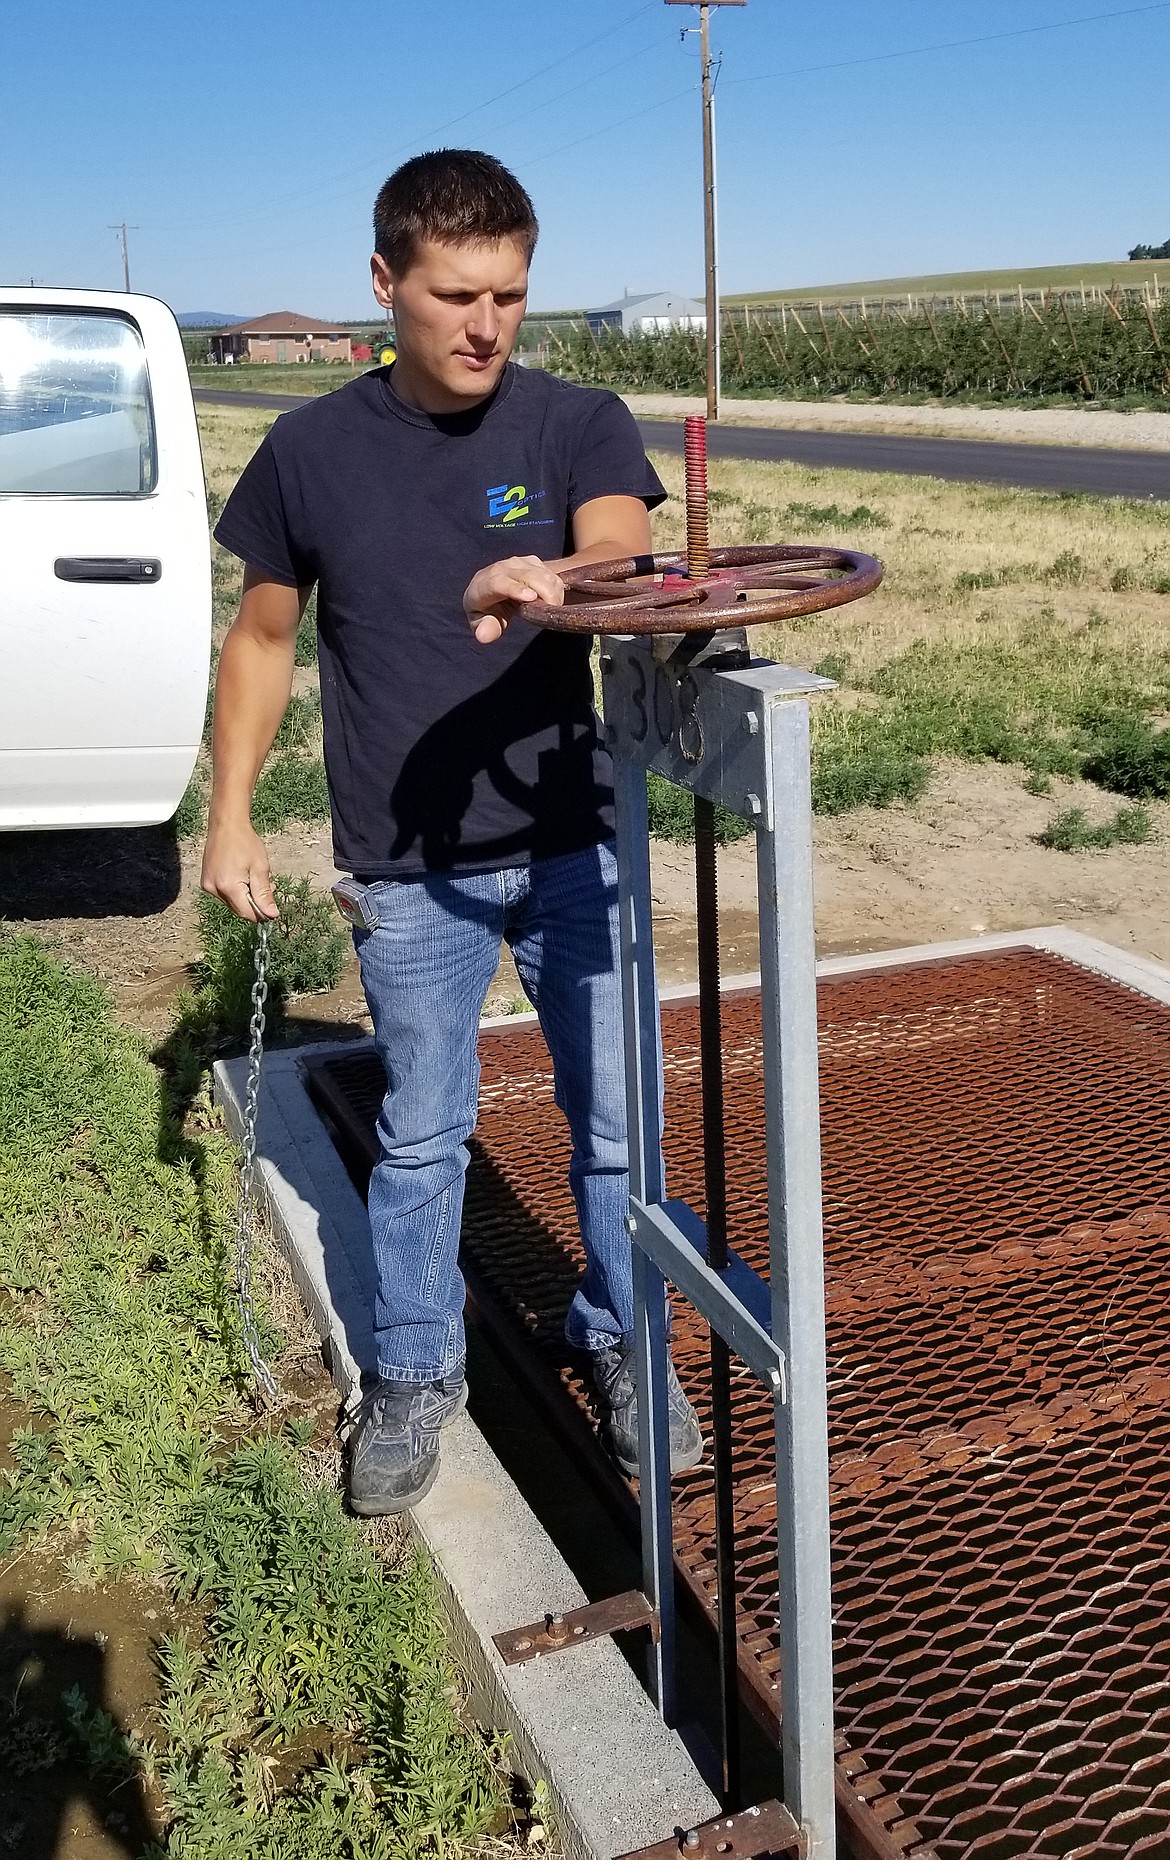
(580, 1722)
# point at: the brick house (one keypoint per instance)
(282, 336)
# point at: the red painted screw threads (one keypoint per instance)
(698, 539)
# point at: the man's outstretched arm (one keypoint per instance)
(251, 696)
(604, 530)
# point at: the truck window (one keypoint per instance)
(75, 412)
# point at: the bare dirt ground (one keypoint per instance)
(1141, 430)
(960, 861)
(54, 1635)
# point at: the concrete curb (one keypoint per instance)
(579, 1722)
(617, 1778)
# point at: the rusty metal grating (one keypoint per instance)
(997, 1203)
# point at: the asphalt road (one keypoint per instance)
(1100, 470)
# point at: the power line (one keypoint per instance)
(380, 160)
(948, 45)
(311, 243)
(593, 78)
(593, 134)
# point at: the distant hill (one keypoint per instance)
(1131, 272)
(207, 319)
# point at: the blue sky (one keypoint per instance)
(246, 141)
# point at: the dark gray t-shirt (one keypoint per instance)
(441, 753)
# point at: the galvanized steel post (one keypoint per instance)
(647, 1183)
(740, 738)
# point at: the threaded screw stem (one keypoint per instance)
(698, 534)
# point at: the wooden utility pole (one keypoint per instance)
(713, 345)
(121, 227)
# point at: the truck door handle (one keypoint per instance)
(107, 568)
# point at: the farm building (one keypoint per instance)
(650, 313)
(282, 336)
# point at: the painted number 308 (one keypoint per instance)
(674, 707)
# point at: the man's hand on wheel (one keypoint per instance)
(493, 594)
(235, 868)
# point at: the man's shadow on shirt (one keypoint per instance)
(564, 806)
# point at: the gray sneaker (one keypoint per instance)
(394, 1454)
(615, 1374)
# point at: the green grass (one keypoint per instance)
(308, 1713)
(276, 377)
(307, 949)
(291, 787)
(300, 727)
(189, 817)
(861, 760)
(1129, 756)
(1071, 831)
(1053, 705)
(672, 815)
(306, 647)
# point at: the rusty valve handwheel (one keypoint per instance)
(744, 585)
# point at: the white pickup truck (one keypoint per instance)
(105, 565)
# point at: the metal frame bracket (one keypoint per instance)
(736, 735)
(577, 1627)
(768, 1829)
(734, 1302)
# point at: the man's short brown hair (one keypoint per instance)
(453, 197)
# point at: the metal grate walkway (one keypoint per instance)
(996, 1135)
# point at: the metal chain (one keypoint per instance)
(247, 1208)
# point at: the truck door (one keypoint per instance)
(105, 571)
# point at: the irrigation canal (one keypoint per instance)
(1100, 470)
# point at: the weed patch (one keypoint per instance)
(292, 787)
(972, 579)
(860, 759)
(313, 1717)
(306, 643)
(834, 665)
(1055, 707)
(189, 817)
(1071, 832)
(833, 517)
(766, 522)
(672, 815)
(300, 726)
(1069, 570)
(1130, 757)
(306, 950)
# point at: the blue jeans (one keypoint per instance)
(426, 970)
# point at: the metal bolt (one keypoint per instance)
(751, 723)
(753, 1811)
(522, 1646)
(694, 1838)
(630, 1225)
(753, 805)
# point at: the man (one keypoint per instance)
(469, 789)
